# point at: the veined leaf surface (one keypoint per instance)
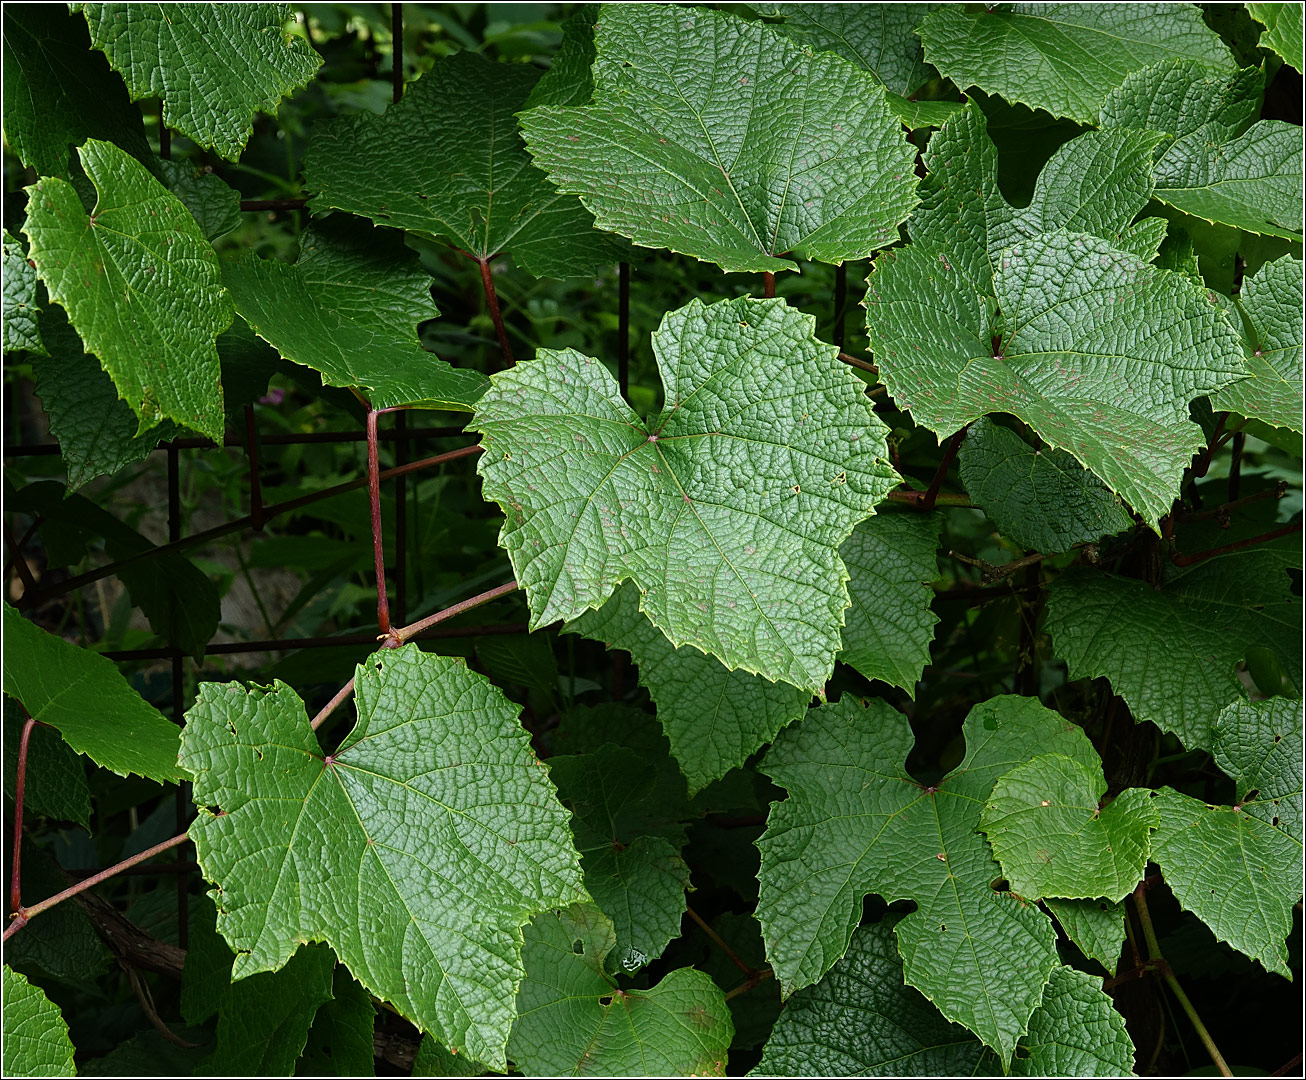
(721, 139)
(727, 510)
(417, 850)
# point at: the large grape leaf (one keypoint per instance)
(568, 80)
(1214, 162)
(1271, 305)
(862, 1020)
(58, 93)
(1283, 29)
(713, 717)
(855, 823)
(1098, 351)
(891, 560)
(573, 1020)
(1053, 837)
(35, 1035)
(85, 697)
(1063, 58)
(20, 299)
(721, 139)
(214, 204)
(349, 308)
(447, 162)
(417, 850)
(1172, 652)
(1041, 499)
(727, 510)
(624, 819)
(140, 283)
(214, 65)
(96, 429)
(1239, 868)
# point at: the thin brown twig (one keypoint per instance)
(857, 362)
(1224, 549)
(496, 316)
(753, 980)
(747, 969)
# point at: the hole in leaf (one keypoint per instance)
(1275, 820)
(1251, 795)
(1000, 884)
(605, 1001)
(1277, 738)
(578, 947)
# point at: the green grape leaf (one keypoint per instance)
(568, 80)
(214, 205)
(1042, 499)
(1283, 30)
(629, 844)
(21, 305)
(1171, 653)
(1063, 58)
(856, 823)
(264, 1020)
(349, 309)
(58, 93)
(1214, 163)
(96, 429)
(1260, 746)
(140, 284)
(35, 1036)
(683, 147)
(340, 1042)
(878, 37)
(1237, 873)
(85, 697)
(447, 162)
(922, 114)
(417, 850)
(1271, 304)
(214, 66)
(147, 1053)
(891, 560)
(713, 717)
(1052, 837)
(56, 778)
(897, 1032)
(727, 510)
(1062, 351)
(1097, 927)
(573, 1021)
(1075, 1032)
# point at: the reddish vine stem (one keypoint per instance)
(19, 563)
(405, 633)
(768, 284)
(20, 782)
(255, 489)
(717, 940)
(916, 498)
(196, 539)
(1203, 461)
(1235, 464)
(492, 299)
(928, 499)
(23, 915)
(1188, 560)
(1287, 1069)
(378, 544)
